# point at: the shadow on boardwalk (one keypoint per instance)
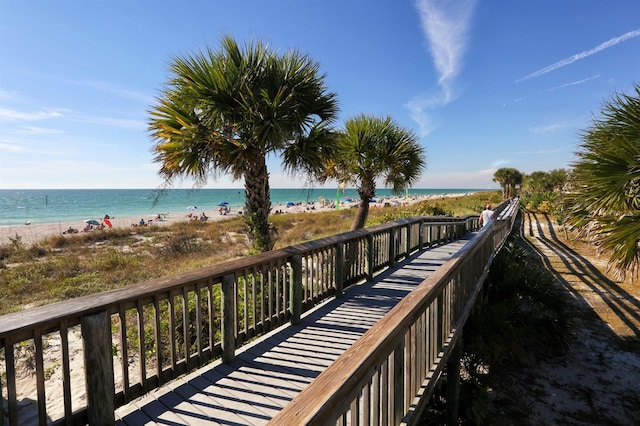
(597, 382)
(268, 373)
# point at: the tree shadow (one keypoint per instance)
(620, 302)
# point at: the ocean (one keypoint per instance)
(69, 205)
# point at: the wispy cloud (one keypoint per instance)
(116, 90)
(124, 123)
(543, 151)
(32, 130)
(14, 115)
(445, 25)
(499, 163)
(607, 44)
(554, 127)
(573, 83)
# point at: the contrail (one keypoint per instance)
(607, 44)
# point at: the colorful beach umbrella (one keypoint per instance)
(192, 208)
(92, 222)
(223, 203)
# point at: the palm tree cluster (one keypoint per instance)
(509, 179)
(226, 111)
(605, 183)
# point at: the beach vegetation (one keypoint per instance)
(544, 192)
(525, 317)
(371, 149)
(604, 195)
(225, 111)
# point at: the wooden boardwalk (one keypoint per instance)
(271, 371)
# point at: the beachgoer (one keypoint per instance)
(487, 216)
(141, 223)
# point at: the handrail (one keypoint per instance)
(393, 368)
(135, 339)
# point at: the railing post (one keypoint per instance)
(420, 237)
(369, 256)
(392, 247)
(228, 325)
(398, 384)
(1, 402)
(339, 249)
(453, 384)
(98, 365)
(295, 303)
(408, 242)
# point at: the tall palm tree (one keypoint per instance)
(225, 111)
(372, 148)
(605, 193)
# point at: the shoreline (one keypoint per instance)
(35, 232)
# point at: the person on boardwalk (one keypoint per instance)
(487, 216)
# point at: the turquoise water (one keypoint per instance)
(68, 205)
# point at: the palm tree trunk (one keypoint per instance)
(361, 214)
(258, 203)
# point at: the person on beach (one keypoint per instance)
(487, 216)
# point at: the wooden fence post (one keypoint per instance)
(398, 384)
(392, 247)
(339, 248)
(295, 303)
(228, 326)
(98, 367)
(369, 253)
(408, 242)
(453, 384)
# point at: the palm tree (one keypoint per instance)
(605, 193)
(225, 111)
(372, 148)
(508, 178)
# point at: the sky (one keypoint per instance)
(484, 84)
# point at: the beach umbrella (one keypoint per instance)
(92, 222)
(290, 203)
(223, 203)
(192, 208)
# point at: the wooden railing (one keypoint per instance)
(132, 340)
(387, 376)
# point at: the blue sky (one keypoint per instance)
(486, 84)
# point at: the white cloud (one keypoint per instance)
(115, 90)
(7, 114)
(573, 83)
(499, 163)
(607, 44)
(113, 122)
(32, 130)
(445, 25)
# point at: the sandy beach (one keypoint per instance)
(32, 233)
(35, 232)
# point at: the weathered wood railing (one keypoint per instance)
(134, 339)
(387, 376)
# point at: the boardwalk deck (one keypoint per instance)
(268, 373)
